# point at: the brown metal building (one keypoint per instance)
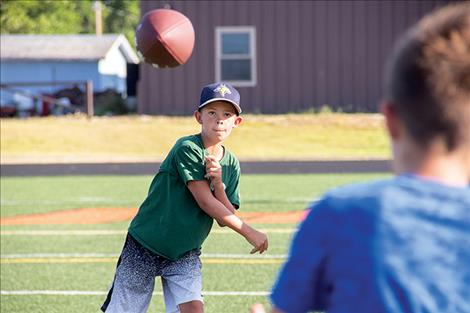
(284, 56)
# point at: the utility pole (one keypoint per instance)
(98, 22)
(89, 99)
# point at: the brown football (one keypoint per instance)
(165, 38)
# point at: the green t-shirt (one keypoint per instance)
(170, 222)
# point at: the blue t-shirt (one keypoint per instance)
(397, 245)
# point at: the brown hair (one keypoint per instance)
(428, 77)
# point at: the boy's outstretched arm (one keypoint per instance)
(208, 203)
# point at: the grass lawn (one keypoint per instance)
(149, 138)
(55, 270)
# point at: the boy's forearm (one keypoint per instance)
(235, 223)
(224, 216)
(217, 210)
(219, 194)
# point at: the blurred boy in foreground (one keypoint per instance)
(402, 244)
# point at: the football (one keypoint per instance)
(165, 38)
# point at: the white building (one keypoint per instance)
(65, 58)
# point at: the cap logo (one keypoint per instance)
(222, 90)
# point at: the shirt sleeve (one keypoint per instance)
(233, 187)
(301, 285)
(189, 163)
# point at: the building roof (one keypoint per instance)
(85, 47)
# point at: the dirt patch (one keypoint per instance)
(75, 216)
(110, 215)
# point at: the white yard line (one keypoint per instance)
(87, 232)
(100, 293)
(77, 258)
(114, 255)
(58, 255)
(243, 256)
(108, 232)
(81, 260)
(265, 230)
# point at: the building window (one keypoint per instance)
(236, 55)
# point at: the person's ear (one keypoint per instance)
(391, 119)
(198, 117)
(238, 121)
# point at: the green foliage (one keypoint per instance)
(121, 16)
(325, 109)
(46, 17)
(110, 103)
(68, 17)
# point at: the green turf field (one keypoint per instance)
(68, 268)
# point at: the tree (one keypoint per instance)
(46, 17)
(122, 16)
(68, 17)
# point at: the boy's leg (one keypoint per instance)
(182, 284)
(192, 307)
(134, 280)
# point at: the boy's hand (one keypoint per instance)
(257, 308)
(213, 170)
(258, 240)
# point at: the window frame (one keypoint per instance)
(251, 30)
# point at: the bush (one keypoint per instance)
(109, 102)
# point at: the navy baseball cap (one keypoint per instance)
(220, 92)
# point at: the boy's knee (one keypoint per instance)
(195, 306)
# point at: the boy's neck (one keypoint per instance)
(434, 163)
(213, 148)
